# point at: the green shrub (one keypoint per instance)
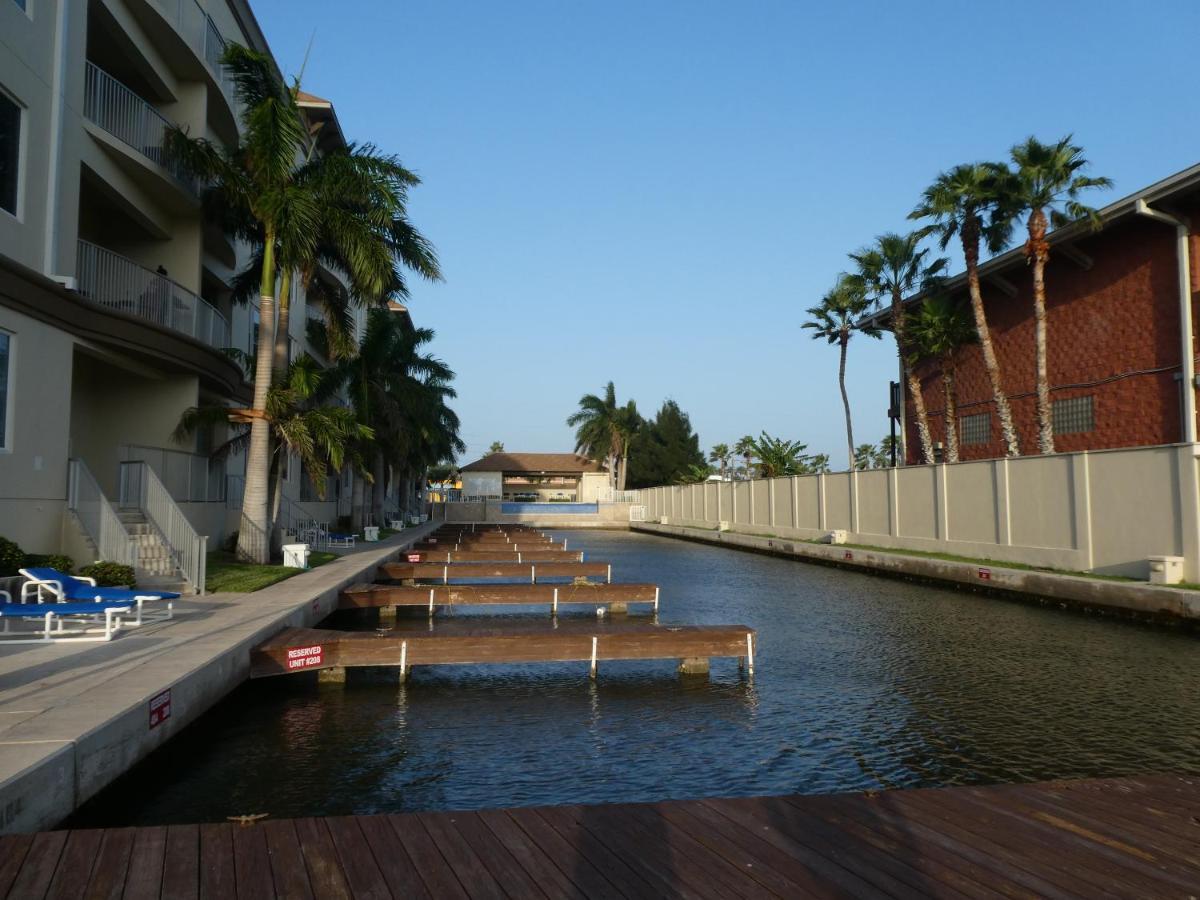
(58, 561)
(12, 558)
(109, 574)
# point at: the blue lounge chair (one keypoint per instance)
(55, 616)
(337, 539)
(42, 583)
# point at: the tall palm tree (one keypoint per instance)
(720, 455)
(939, 328)
(967, 201)
(627, 425)
(602, 429)
(891, 269)
(1046, 184)
(745, 449)
(833, 320)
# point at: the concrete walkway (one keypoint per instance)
(73, 717)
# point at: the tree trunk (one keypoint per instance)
(970, 244)
(357, 495)
(1038, 252)
(624, 467)
(254, 534)
(277, 501)
(951, 408)
(844, 341)
(280, 362)
(377, 471)
(912, 383)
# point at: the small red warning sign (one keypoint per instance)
(849, 555)
(304, 657)
(985, 574)
(414, 557)
(160, 708)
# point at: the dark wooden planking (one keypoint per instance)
(358, 862)
(393, 860)
(495, 856)
(74, 867)
(320, 858)
(218, 875)
(111, 869)
(251, 862)
(498, 555)
(527, 826)
(144, 878)
(366, 596)
(472, 874)
(439, 878)
(288, 873)
(181, 862)
(525, 571)
(39, 865)
(13, 850)
(618, 871)
(534, 859)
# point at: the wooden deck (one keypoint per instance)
(299, 650)
(368, 596)
(1133, 837)
(501, 553)
(530, 572)
(512, 545)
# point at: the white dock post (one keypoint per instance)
(431, 603)
(595, 641)
(554, 609)
(445, 574)
(610, 573)
(518, 557)
(533, 574)
(403, 660)
(656, 598)
(750, 652)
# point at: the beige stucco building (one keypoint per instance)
(115, 309)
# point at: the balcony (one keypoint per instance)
(200, 32)
(120, 112)
(118, 283)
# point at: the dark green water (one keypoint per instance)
(861, 683)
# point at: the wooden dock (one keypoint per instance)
(1130, 837)
(502, 553)
(375, 596)
(298, 650)
(511, 544)
(530, 572)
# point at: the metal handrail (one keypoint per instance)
(141, 488)
(119, 283)
(126, 116)
(97, 517)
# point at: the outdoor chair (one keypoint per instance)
(42, 583)
(55, 618)
(337, 539)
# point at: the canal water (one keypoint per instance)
(860, 683)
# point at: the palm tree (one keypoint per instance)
(939, 327)
(603, 430)
(695, 474)
(745, 449)
(834, 321)
(967, 201)
(891, 269)
(778, 457)
(720, 455)
(1046, 184)
(497, 447)
(866, 456)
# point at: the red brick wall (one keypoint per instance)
(1104, 324)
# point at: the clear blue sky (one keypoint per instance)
(653, 192)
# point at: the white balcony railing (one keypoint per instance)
(97, 517)
(112, 280)
(188, 477)
(130, 119)
(197, 27)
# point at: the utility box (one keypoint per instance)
(295, 556)
(837, 536)
(371, 533)
(1166, 569)
(723, 526)
(664, 520)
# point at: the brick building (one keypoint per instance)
(1116, 328)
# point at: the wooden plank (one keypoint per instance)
(218, 875)
(75, 865)
(581, 869)
(111, 870)
(39, 865)
(398, 870)
(439, 878)
(535, 860)
(503, 867)
(524, 571)
(288, 873)
(181, 862)
(358, 864)
(630, 881)
(320, 858)
(500, 554)
(472, 873)
(13, 850)
(251, 862)
(366, 596)
(144, 878)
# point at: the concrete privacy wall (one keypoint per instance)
(1102, 511)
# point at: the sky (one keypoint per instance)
(654, 191)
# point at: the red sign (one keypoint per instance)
(160, 708)
(414, 557)
(304, 657)
(849, 555)
(985, 574)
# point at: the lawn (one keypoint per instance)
(227, 575)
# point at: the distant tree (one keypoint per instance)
(720, 455)
(778, 457)
(695, 474)
(664, 449)
(1047, 180)
(745, 449)
(939, 328)
(886, 448)
(497, 447)
(815, 464)
(596, 423)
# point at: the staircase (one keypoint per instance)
(154, 567)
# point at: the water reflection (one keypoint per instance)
(859, 683)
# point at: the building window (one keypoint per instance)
(10, 152)
(23, 4)
(5, 389)
(1074, 415)
(976, 429)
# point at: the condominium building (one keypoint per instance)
(115, 301)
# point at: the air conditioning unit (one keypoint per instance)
(837, 536)
(723, 526)
(1166, 569)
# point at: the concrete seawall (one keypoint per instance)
(74, 717)
(1131, 599)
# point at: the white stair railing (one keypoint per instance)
(141, 488)
(97, 517)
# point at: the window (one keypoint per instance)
(976, 429)
(22, 4)
(10, 152)
(5, 386)
(1074, 415)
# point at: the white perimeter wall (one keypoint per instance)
(1102, 511)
